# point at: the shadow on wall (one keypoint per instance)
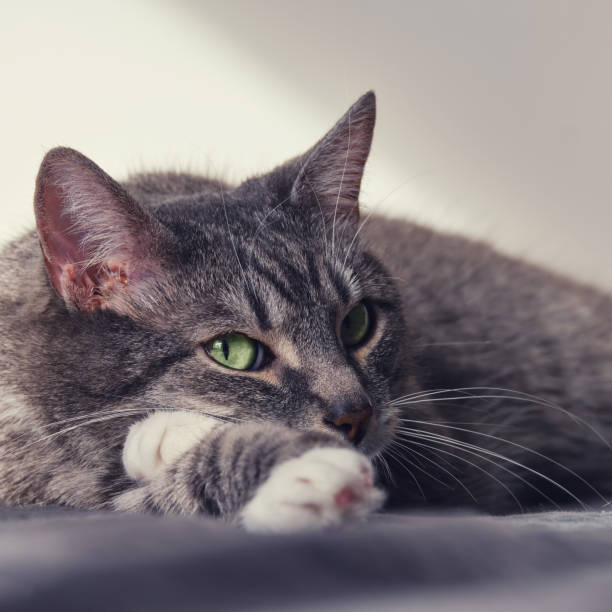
(495, 119)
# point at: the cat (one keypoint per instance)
(173, 344)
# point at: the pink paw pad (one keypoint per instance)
(345, 497)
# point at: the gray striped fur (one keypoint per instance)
(277, 257)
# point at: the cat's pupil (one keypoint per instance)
(235, 351)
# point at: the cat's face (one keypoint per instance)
(260, 300)
(279, 328)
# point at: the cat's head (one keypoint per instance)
(251, 303)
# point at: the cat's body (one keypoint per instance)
(141, 288)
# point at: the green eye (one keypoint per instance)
(235, 351)
(355, 326)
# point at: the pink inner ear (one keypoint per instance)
(95, 239)
(61, 241)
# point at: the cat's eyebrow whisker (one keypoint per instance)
(395, 443)
(314, 191)
(458, 444)
(515, 445)
(518, 395)
(261, 225)
(372, 210)
(247, 280)
(361, 225)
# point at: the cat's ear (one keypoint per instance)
(332, 170)
(98, 244)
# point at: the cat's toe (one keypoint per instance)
(322, 487)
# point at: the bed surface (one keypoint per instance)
(56, 559)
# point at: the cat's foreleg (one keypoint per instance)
(266, 477)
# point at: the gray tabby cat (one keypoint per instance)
(179, 345)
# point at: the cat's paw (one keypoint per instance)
(155, 442)
(322, 487)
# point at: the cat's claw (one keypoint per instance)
(322, 487)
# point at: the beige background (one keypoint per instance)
(495, 117)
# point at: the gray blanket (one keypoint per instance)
(53, 559)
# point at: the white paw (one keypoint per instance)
(158, 440)
(322, 487)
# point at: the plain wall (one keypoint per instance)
(495, 117)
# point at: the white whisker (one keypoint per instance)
(522, 396)
(483, 451)
(385, 464)
(370, 213)
(414, 478)
(260, 227)
(231, 237)
(448, 442)
(481, 469)
(437, 465)
(514, 444)
(395, 444)
(322, 215)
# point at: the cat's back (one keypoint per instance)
(453, 268)
(485, 318)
